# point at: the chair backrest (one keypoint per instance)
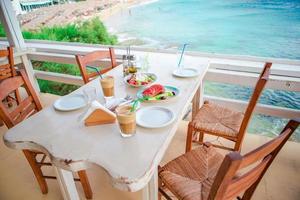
(260, 84)
(7, 70)
(26, 107)
(92, 57)
(241, 174)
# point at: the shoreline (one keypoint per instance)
(106, 14)
(70, 13)
(73, 12)
(129, 40)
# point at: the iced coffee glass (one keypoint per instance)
(126, 120)
(107, 84)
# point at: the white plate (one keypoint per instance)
(154, 117)
(69, 103)
(186, 72)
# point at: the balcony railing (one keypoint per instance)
(232, 69)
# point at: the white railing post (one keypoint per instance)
(14, 35)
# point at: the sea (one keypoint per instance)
(265, 28)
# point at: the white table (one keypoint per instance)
(132, 162)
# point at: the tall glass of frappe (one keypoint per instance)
(126, 120)
(107, 84)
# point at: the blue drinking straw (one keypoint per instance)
(95, 68)
(181, 56)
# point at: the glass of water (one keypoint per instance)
(144, 63)
(90, 94)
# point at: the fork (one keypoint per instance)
(127, 99)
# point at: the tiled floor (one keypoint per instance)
(18, 183)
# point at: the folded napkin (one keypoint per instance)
(96, 114)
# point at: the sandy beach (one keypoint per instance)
(72, 12)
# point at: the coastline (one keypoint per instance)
(111, 19)
(72, 12)
(69, 13)
(123, 6)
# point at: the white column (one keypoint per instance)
(66, 184)
(11, 24)
(17, 7)
(15, 38)
(150, 192)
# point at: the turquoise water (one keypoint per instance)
(258, 28)
(261, 28)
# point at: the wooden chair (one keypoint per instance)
(203, 173)
(222, 122)
(26, 108)
(7, 70)
(91, 58)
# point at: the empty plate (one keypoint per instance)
(186, 72)
(69, 103)
(154, 117)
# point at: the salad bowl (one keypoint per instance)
(140, 79)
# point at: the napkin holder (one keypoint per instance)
(97, 114)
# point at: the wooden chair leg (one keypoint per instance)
(18, 97)
(85, 184)
(249, 193)
(237, 146)
(159, 186)
(30, 156)
(189, 138)
(201, 137)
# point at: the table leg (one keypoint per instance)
(150, 192)
(66, 184)
(197, 100)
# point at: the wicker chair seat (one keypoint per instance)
(190, 176)
(217, 120)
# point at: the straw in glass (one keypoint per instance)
(181, 56)
(96, 69)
